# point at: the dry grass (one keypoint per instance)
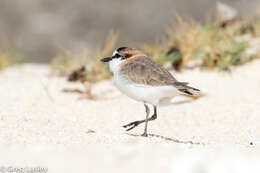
(210, 46)
(85, 66)
(110, 43)
(190, 44)
(66, 62)
(4, 59)
(9, 57)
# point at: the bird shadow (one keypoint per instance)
(183, 102)
(167, 139)
(166, 103)
(184, 99)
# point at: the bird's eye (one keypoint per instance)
(117, 55)
(127, 55)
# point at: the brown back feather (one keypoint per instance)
(143, 70)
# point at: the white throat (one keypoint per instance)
(114, 64)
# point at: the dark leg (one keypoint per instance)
(154, 116)
(136, 123)
(146, 120)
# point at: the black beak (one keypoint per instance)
(107, 59)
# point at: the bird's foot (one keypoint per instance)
(132, 125)
(144, 134)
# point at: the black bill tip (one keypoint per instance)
(107, 59)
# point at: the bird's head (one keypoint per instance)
(122, 53)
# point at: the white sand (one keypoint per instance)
(38, 119)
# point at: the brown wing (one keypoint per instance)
(143, 70)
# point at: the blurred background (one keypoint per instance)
(40, 29)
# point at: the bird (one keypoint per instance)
(139, 77)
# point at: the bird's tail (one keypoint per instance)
(187, 90)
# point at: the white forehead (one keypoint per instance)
(115, 52)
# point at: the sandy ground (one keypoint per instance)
(42, 126)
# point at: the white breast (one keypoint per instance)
(139, 92)
(144, 93)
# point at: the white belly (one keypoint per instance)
(145, 93)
